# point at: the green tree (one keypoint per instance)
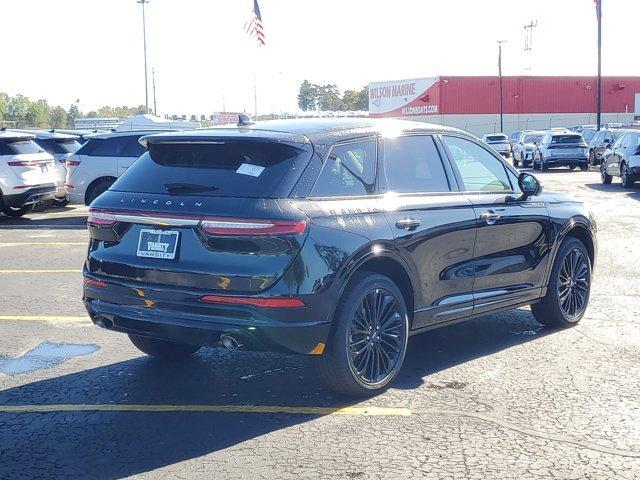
(363, 99)
(307, 96)
(57, 117)
(17, 109)
(4, 100)
(38, 114)
(329, 98)
(92, 114)
(350, 99)
(141, 110)
(72, 114)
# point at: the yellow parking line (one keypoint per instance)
(370, 411)
(42, 318)
(55, 270)
(44, 244)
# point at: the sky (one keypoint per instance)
(92, 50)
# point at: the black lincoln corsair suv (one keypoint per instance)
(334, 238)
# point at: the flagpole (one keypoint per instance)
(255, 94)
(599, 80)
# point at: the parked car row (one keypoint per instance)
(47, 167)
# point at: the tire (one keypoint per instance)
(572, 167)
(359, 375)
(585, 167)
(163, 348)
(625, 177)
(592, 158)
(515, 162)
(605, 178)
(61, 202)
(97, 189)
(568, 289)
(17, 211)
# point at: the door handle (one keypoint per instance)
(408, 223)
(490, 217)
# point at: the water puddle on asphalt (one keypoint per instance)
(44, 356)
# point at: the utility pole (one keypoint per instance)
(153, 82)
(144, 42)
(599, 80)
(500, 42)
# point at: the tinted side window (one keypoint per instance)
(349, 171)
(109, 147)
(620, 141)
(413, 164)
(478, 169)
(133, 148)
(5, 150)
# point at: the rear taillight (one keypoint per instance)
(261, 302)
(99, 218)
(72, 163)
(91, 282)
(230, 226)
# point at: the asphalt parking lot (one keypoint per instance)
(499, 397)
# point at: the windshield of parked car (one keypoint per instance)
(28, 146)
(588, 133)
(496, 138)
(562, 139)
(219, 169)
(532, 138)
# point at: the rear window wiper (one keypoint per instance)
(178, 188)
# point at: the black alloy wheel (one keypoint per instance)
(569, 287)
(368, 342)
(376, 337)
(625, 177)
(573, 283)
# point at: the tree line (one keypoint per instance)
(328, 97)
(18, 111)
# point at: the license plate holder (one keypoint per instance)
(154, 243)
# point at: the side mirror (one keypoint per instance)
(529, 185)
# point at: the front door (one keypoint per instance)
(513, 235)
(434, 227)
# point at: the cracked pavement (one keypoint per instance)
(498, 397)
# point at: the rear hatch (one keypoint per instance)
(567, 145)
(28, 161)
(206, 213)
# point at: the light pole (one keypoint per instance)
(144, 42)
(599, 79)
(500, 42)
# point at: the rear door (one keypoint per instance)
(513, 235)
(434, 227)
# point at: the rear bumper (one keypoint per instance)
(179, 316)
(30, 196)
(567, 161)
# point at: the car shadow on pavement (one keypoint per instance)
(53, 222)
(111, 445)
(633, 193)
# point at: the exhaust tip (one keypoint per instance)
(229, 342)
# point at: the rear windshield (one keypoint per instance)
(562, 139)
(496, 138)
(58, 145)
(13, 148)
(588, 134)
(531, 138)
(247, 169)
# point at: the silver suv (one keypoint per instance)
(561, 148)
(499, 142)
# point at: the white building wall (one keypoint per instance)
(480, 124)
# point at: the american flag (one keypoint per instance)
(254, 25)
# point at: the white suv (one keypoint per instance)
(99, 163)
(27, 174)
(61, 147)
